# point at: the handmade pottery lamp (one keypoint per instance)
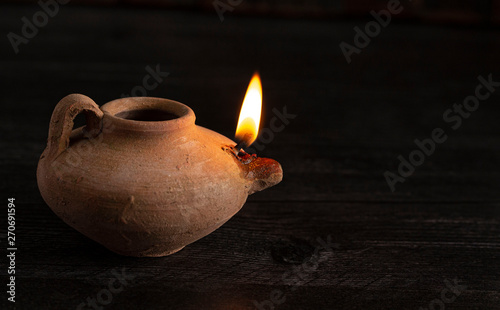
(142, 179)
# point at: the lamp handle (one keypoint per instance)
(62, 122)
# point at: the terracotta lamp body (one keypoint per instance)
(141, 178)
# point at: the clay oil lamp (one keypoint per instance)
(142, 179)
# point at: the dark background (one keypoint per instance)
(393, 250)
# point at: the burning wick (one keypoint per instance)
(249, 120)
(245, 137)
(243, 142)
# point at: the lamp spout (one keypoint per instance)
(264, 173)
(261, 172)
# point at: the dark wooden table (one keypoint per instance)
(433, 243)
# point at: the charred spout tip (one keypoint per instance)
(264, 173)
(261, 172)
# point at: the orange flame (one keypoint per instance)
(249, 120)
